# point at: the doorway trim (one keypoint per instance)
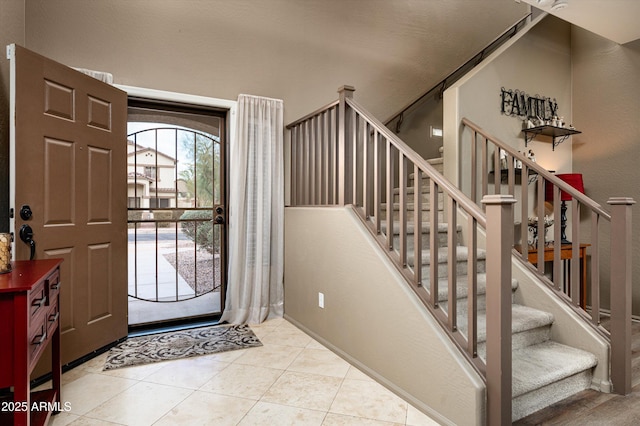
(230, 106)
(162, 95)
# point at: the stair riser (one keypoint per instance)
(442, 240)
(438, 165)
(463, 305)
(531, 402)
(425, 214)
(425, 197)
(461, 268)
(521, 340)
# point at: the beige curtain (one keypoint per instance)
(256, 213)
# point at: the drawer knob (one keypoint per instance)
(54, 318)
(39, 302)
(38, 340)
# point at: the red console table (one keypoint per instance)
(29, 320)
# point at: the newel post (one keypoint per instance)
(499, 214)
(345, 173)
(620, 289)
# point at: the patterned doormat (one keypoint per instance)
(180, 344)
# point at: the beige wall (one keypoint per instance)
(415, 129)
(371, 317)
(597, 85)
(538, 63)
(299, 51)
(12, 30)
(606, 99)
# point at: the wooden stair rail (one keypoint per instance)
(342, 155)
(484, 148)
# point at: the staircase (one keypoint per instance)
(544, 371)
(341, 155)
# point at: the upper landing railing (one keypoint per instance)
(441, 86)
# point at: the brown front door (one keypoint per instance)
(68, 165)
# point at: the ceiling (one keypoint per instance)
(616, 20)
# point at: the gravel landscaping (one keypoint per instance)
(205, 270)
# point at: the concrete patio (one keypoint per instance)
(172, 297)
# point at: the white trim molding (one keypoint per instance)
(162, 95)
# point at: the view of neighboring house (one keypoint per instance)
(152, 181)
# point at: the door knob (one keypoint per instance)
(25, 212)
(26, 235)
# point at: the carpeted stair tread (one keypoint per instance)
(462, 254)
(545, 363)
(426, 227)
(425, 206)
(437, 163)
(463, 286)
(523, 318)
(424, 189)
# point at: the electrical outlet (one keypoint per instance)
(321, 300)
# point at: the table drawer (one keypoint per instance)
(41, 330)
(52, 283)
(53, 316)
(38, 338)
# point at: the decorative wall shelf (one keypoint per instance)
(557, 134)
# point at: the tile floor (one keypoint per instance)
(291, 380)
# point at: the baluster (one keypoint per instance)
(540, 226)
(511, 178)
(474, 168)
(312, 161)
(377, 180)
(595, 268)
(354, 155)
(417, 225)
(557, 266)
(366, 164)
(485, 171)
(333, 168)
(497, 171)
(524, 212)
(452, 242)
(389, 176)
(306, 179)
(576, 290)
(434, 244)
(402, 177)
(472, 287)
(324, 146)
(556, 230)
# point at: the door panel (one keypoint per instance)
(69, 165)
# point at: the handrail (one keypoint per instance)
(312, 114)
(548, 176)
(575, 292)
(416, 158)
(448, 80)
(342, 155)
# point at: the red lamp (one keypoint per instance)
(573, 179)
